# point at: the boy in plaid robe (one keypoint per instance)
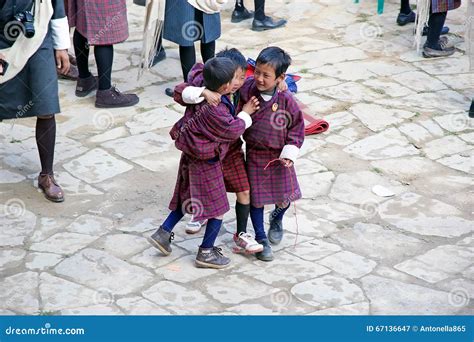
(272, 146)
(204, 135)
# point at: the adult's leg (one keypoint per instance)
(405, 6)
(104, 57)
(81, 48)
(435, 25)
(187, 56)
(259, 9)
(46, 141)
(208, 50)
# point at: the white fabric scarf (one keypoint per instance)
(154, 19)
(20, 52)
(208, 6)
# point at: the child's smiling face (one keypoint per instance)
(238, 80)
(265, 77)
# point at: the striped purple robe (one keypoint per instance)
(279, 122)
(444, 5)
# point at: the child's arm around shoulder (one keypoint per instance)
(295, 137)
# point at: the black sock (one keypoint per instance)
(187, 56)
(239, 5)
(259, 9)
(208, 50)
(242, 212)
(435, 25)
(81, 48)
(46, 140)
(104, 57)
(405, 7)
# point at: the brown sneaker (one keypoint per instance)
(113, 98)
(52, 191)
(86, 85)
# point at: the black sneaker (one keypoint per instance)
(86, 85)
(114, 98)
(404, 19)
(211, 258)
(266, 254)
(238, 16)
(159, 56)
(471, 110)
(275, 233)
(161, 239)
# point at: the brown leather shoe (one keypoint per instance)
(72, 74)
(86, 85)
(52, 191)
(114, 98)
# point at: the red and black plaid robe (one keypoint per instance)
(203, 135)
(279, 122)
(233, 164)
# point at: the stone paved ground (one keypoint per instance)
(397, 121)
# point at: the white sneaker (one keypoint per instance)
(194, 227)
(246, 244)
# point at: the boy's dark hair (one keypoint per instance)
(235, 56)
(217, 72)
(276, 57)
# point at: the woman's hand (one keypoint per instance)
(252, 106)
(62, 61)
(287, 162)
(211, 97)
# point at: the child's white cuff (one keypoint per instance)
(60, 31)
(290, 152)
(246, 117)
(192, 95)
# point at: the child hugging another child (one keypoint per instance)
(272, 145)
(204, 135)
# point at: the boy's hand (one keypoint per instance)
(62, 61)
(252, 106)
(211, 97)
(282, 86)
(287, 162)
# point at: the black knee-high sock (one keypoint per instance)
(259, 9)
(81, 48)
(104, 57)
(435, 25)
(405, 7)
(187, 56)
(242, 212)
(46, 140)
(239, 5)
(208, 50)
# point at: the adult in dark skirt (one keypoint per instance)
(100, 24)
(184, 25)
(29, 86)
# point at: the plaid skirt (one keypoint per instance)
(277, 184)
(200, 189)
(102, 22)
(235, 173)
(444, 5)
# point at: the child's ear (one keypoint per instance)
(281, 78)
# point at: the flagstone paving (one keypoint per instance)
(385, 225)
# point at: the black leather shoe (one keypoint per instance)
(139, 2)
(161, 55)
(404, 19)
(471, 110)
(238, 16)
(169, 92)
(267, 24)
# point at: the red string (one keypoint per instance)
(292, 191)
